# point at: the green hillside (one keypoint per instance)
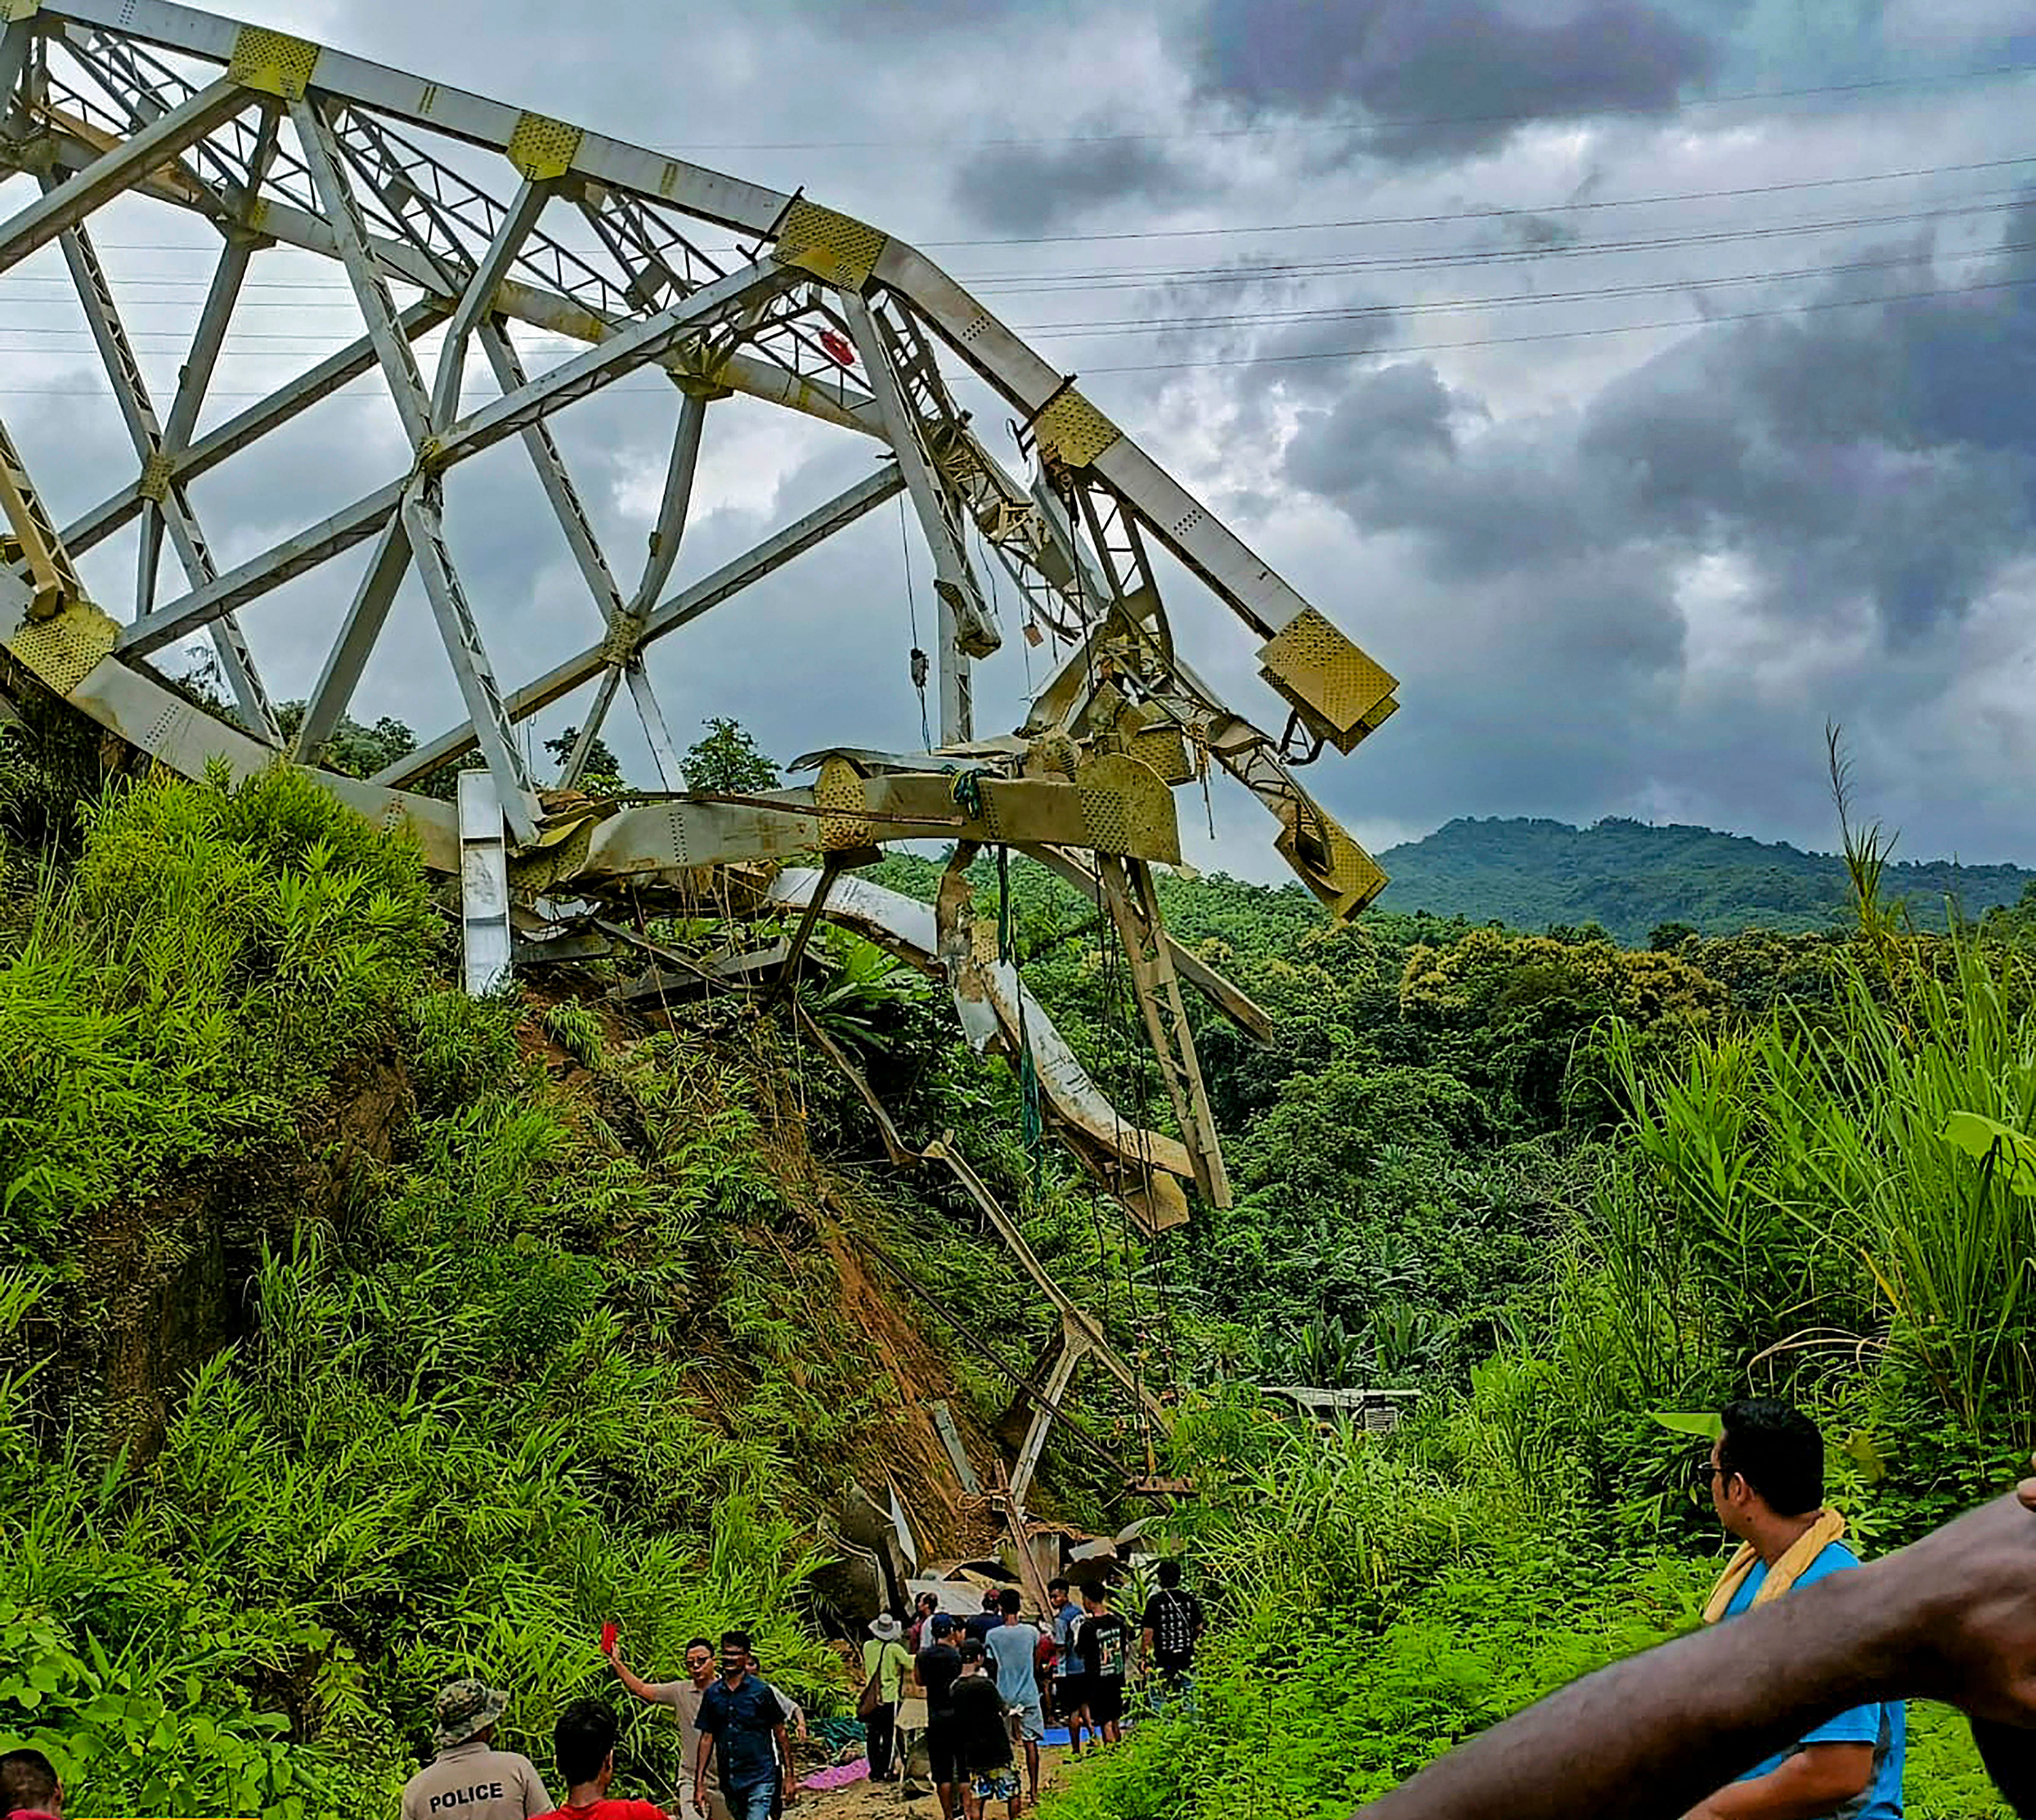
(1629, 876)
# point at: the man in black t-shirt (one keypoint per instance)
(937, 1669)
(1104, 1640)
(981, 1719)
(1173, 1625)
(979, 1626)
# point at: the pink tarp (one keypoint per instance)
(838, 1775)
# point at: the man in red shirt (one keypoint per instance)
(585, 1741)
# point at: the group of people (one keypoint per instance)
(736, 1726)
(989, 1684)
(993, 1681)
(1797, 1688)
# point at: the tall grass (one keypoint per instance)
(1793, 1212)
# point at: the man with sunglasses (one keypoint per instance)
(1766, 1477)
(742, 1730)
(684, 1698)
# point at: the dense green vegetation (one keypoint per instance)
(1631, 877)
(498, 1320)
(529, 1326)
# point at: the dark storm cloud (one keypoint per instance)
(1030, 189)
(1445, 78)
(1650, 601)
(1853, 455)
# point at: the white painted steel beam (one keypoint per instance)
(682, 609)
(423, 524)
(477, 300)
(104, 178)
(485, 943)
(362, 626)
(965, 628)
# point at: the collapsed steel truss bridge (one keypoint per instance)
(502, 234)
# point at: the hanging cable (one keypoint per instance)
(919, 665)
(1032, 1124)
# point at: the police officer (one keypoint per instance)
(469, 1779)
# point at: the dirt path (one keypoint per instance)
(867, 1801)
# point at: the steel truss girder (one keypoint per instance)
(502, 417)
(626, 630)
(1134, 906)
(71, 202)
(578, 533)
(144, 429)
(967, 630)
(660, 181)
(422, 222)
(682, 609)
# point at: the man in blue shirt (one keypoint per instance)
(1767, 1483)
(741, 1723)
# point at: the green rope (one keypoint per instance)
(968, 791)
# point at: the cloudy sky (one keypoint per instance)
(1646, 382)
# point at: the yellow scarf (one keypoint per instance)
(1783, 1574)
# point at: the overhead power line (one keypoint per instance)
(1409, 260)
(1372, 123)
(1717, 321)
(1120, 278)
(153, 340)
(1818, 307)
(1496, 213)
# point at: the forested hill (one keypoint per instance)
(1631, 877)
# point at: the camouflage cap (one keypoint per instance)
(465, 1707)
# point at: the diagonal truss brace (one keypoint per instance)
(122, 167)
(967, 630)
(626, 636)
(689, 604)
(116, 354)
(566, 507)
(1134, 906)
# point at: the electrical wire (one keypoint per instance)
(1372, 123)
(1487, 215)
(1571, 335)
(1245, 269)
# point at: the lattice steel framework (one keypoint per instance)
(491, 226)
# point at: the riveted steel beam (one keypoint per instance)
(260, 575)
(423, 524)
(106, 175)
(246, 427)
(966, 627)
(371, 289)
(477, 299)
(347, 658)
(173, 510)
(626, 663)
(557, 480)
(682, 609)
(628, 348)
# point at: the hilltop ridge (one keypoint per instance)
(1631, 876)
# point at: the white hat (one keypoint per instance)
(885, 1628)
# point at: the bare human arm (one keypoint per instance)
(1816, 1780)
(635, 1683)
(791, 1774)
(1952, 1618)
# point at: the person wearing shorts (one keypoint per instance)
(1013, 1651)
(1070, 1688)
(1105, 1641)
(936, 1668)
(982, 1734)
